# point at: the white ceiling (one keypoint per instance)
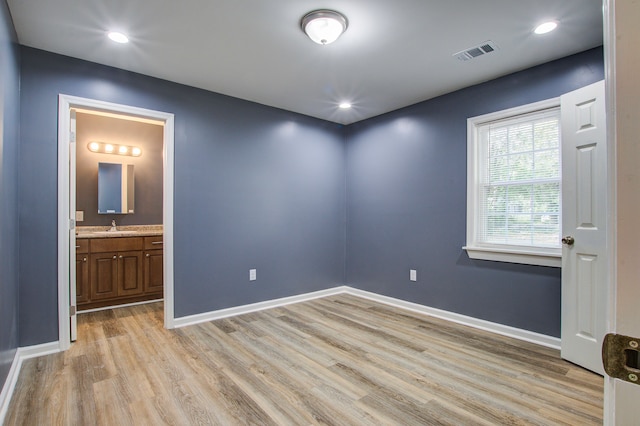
(394, 53)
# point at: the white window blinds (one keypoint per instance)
(519, 181)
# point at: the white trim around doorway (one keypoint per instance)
(65, 103)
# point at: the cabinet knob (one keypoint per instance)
(114, 257)
(84, 259)
(147, 254)
(120, 257)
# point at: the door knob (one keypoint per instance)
(568, 240)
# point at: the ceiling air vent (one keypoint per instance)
(473, 52)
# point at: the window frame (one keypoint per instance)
(501, 252)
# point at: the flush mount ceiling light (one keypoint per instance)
(118, 37)
(546, 27)
(344, 105)
(324, 26)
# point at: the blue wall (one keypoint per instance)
(9, 136)
(406, 203)
(255, 187)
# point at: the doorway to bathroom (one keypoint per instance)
(115, 209)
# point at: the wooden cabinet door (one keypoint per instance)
(104, 276)
(82, 278)
(130, 273)
(153, 278)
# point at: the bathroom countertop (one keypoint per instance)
(122, 231)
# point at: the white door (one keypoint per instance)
(73, 324)
(584, 220)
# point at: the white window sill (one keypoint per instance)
(515, 255)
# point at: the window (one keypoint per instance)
(514, 185)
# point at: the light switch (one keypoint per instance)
(413, 275)
(79, 215)
(252, 275)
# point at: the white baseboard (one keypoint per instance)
(9, 386)
(12, 378)
(254, 307)
(34, 351)
(504, 330)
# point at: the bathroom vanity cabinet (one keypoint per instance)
(118, 270)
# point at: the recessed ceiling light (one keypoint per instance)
(546, 27)
(118, 37)
(344, 105)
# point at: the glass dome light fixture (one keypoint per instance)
(324, 26)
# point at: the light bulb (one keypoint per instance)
(108, 148)
(546, 27)
(118, 37)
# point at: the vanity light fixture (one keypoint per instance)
(324, 26)
(111, 148)
(546, 27)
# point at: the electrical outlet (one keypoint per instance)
(80, 216)
(413, 275)
(252, 275)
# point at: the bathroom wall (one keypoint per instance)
(148, 168)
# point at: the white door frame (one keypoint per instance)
(65, 103)
(621, 69)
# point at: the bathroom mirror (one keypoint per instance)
(115, 188)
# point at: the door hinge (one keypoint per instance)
(621, 357)
(72, 224)
(72, 310)
(72, 137)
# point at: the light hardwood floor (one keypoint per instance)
(340, 360)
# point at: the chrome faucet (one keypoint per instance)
(113, 226)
